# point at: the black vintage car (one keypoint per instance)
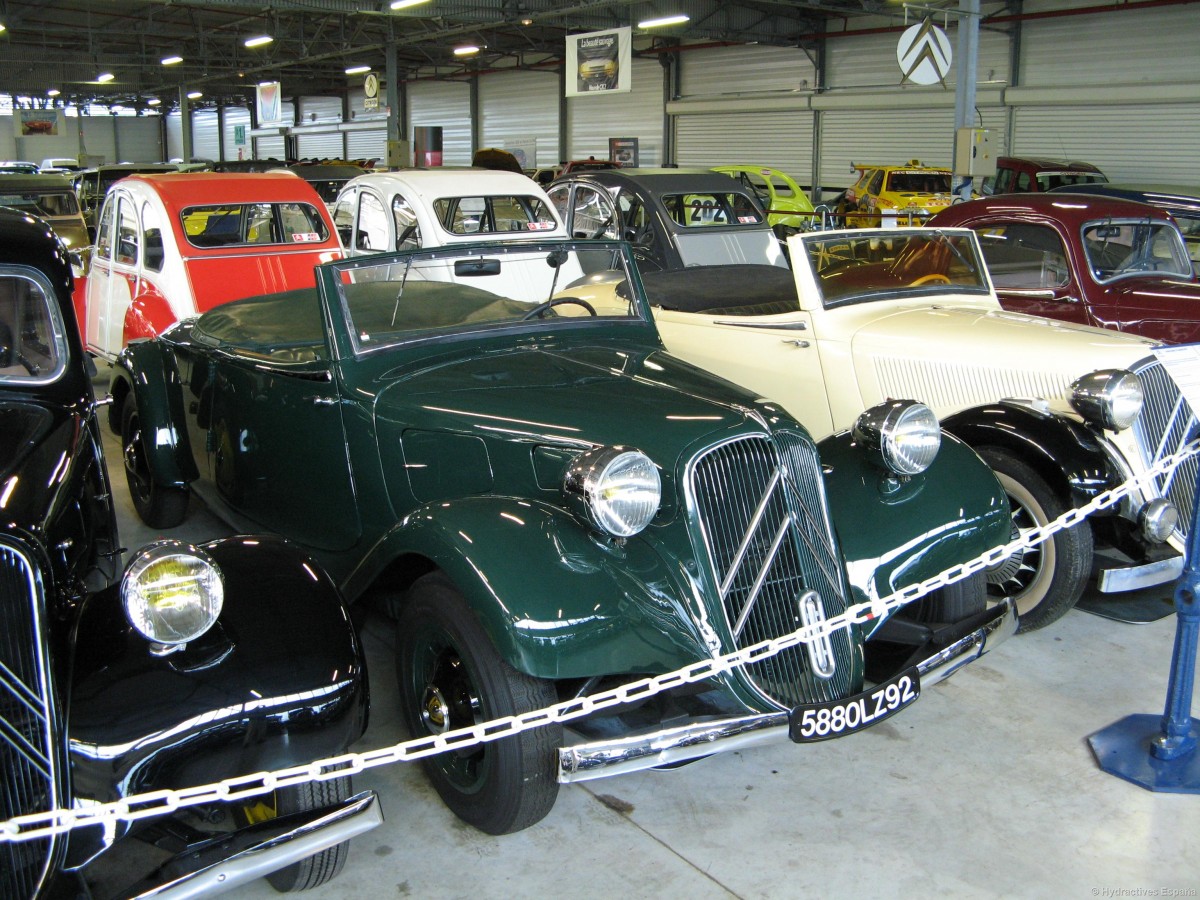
(187, 666)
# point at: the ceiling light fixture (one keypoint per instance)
(53, 92)
(358, 70)
(195, 95)
(664, 20)
(405, 4)
(171, 60)
(2, 28)
(105, 77)
(466, 51)
(153, 101)
(259, 41)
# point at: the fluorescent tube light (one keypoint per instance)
(665, 20)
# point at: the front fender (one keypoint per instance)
(556, 601)
(147, 368)
(280, 680)
(1064, 452)
(894, 534)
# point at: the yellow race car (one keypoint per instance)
(887, 196)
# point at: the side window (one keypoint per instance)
(408, 232)
(593, 215)
(876, 183)
(127, 233)
(1004, 181)
(152, 239)
(261, 227)
(32, 342)
(372, 233)
(1020, 255)
(104, 231)
(1024, 183)
(343, 215)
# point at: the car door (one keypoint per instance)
(276, 446)
(1033, 272)
(114, 277)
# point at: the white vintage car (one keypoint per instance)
(1056, 409)
(410, 209)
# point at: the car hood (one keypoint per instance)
(584, 397)
(1154, 290)
(952, 357)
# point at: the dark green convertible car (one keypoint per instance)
(557, 506)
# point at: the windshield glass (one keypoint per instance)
(849, 267)
(489, 215)
(253, 223)
(49, 204)
(919, 182)
(1117, 249)
(33, 347)
(394, 299)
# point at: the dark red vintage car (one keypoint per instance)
(1095, 260)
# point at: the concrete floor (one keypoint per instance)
(986, 787)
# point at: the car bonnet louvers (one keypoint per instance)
(760, 508)
(1165, 425)
(26, 732)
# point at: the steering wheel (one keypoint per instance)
(537, 311)
(931, 278)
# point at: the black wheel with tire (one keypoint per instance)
(953, 603)
(451, 676)
(1045, 581)
(319, 868)
(159, 506)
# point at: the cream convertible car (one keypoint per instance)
(1056, 409)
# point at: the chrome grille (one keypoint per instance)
(761, 510)
(1166, 424)
(26, 750)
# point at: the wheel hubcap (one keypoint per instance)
(1024, 576)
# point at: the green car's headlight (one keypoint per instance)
(172, 592)
(904, 433)
(616, 489)
(1111, 397)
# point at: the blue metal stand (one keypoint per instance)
(1160, 753)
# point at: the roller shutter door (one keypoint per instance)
(206, 142)
(733, 70)
(782, 140)
(448, 104)
(367, 145)
(521, 105)
(235, 116)
(320, 111)
(592, 120)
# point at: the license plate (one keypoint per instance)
(838, 718)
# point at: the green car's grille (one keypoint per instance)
(761, 509)
(26, 755)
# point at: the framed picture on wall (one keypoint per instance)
(623, 150)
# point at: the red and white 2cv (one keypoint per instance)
(176, 245)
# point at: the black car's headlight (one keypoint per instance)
(616, 489)
(1111, 397)
(904, 433)
(172, 592)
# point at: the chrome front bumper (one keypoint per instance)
(1119, 579)
(357, 815)
(600, 759)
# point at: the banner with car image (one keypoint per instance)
(599, 62)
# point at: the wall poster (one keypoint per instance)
(599, 62)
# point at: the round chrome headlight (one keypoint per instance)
(617, 490)
(1111, 397)
(904, 433)
(173, 592)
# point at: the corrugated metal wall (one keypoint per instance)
(778, 139)
(593, 119)
(234, 116)
(448, 104)
(206, 142)
(726, 70)
(521, 105)
(325, 145)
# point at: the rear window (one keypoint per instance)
(43, 203)
(490, 215)
(704, 210)
(919, 182)
(33, 344)
(256, 224)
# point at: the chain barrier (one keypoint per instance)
(155, 803)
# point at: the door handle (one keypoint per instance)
(796, 341)
(325, 401)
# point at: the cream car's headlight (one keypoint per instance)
(904, 433)
(616, 489)
(1111, 397)
(172, 592)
